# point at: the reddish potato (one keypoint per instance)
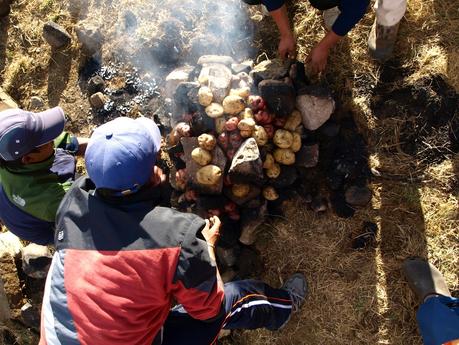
(231, 124)
(235, 139)
(230, 153)
(234, 215)
(254, 102)
(223, 140)
(269, 131)
(227, 181)
(280, 122)
(187, 117)
(230, 207)
(263, 117)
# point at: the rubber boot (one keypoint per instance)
(424, 278)
(381, 41)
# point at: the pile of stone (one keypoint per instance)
(240, 141)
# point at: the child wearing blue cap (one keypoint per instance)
(121, 259)
(37, 167)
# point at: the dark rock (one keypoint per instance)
(36, 260)
(177, 76)
(186, 97)
(98, 100)
(130, 21)
(90, 37)
(218, 159)
(229, 275)
(227, 256)
(367, 237)
(339, 205)
(218, 59)
(30, 316)
(330, 129)
(36, 103)
(286, 178)
(270, 69)
(308, 156)
(247, 165)
(229, 232)
(239, 68)
(335, 181)
(201, 123)
(278, 95)
(166, 51)
(5, 7)
(176, 154)
(319, 204)
(251, 219)
(358, 196)
(218, 77)
(96, 84)
(56, 36)
(249, 263)
(298, 76)
(255, 203)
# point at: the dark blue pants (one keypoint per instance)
(438, 320)
(249, 304)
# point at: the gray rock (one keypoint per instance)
(270, 69)
(36, 260)
(90, 38)
(218, 78)
(251, 221)
(219, 59)
(308, 156)
(56, 36)
(177, 76)
(227, 256)
(286, 178)
(358, 196)
(247, 165)
(278, 95)
(5, 8)
(228, 275)
(98, 100)
(218, 159)
(240, 67)
(5, 312)
(30, 316)
(10, 245)
(186, 99)
(319, 204)
(36, 103)
(315, 110)
(96, 84)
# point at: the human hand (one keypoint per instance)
(157, 177)
(287, 47)
(317, 59)
(211, 230)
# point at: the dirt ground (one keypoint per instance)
(406, 109)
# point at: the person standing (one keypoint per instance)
(122, 260)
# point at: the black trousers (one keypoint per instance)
(319, 4)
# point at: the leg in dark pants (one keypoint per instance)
(323, 5)
(249, 304)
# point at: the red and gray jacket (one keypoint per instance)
(118, 267)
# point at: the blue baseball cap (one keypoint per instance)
(121, 154)
(22, 131)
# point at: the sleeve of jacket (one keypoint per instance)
(273, 5)
(351, 13)
(197, 288)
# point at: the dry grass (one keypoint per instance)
(356, 297)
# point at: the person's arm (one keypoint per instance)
(319, 54)
(82, 144)
(197, 283)
(287, 43)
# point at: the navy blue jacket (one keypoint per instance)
(351, 13)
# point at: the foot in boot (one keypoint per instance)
(424, 278)
(297, 288)
(381, 41)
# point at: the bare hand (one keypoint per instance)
(287, 47)
(317, 59)
(211, 231)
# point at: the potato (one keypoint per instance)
(233, 105)
(269, 161)
(274, 171)
(263, 117)
(220, 124)
(231, 124)
(205, 96)
(270, 193)
(296, 144)
(247, 113)
(246, 125)
(293, 121)
(209, 175)
(260, 136)
(284, 156)
(201, 156)
(207, 141)
(283, 138)
(214, 110)
(245, 134)
(240, 190)
(242, 92)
